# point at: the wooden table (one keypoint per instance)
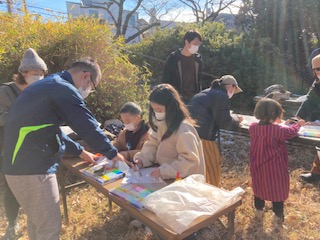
(158, 227)
(243, 130)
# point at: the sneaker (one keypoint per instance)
(277, 221)
(310, 177)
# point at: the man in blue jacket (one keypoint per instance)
(34, 143)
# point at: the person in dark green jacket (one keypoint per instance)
(34, 143)
(310, 111)
(183, 67)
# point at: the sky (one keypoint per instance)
(50, 8)
(53, 7)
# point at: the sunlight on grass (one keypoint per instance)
(90, 219)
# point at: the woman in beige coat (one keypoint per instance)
(174, 143)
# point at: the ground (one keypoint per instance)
(90, 219)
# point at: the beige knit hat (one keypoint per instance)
(31, 61)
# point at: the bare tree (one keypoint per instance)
(207, 10)
(9, 6)
(121, 17)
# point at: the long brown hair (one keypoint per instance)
(176, 110)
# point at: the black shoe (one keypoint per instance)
(310, 177)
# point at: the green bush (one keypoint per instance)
(254, 61)
(61, 43)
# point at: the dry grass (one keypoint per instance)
(90, 219)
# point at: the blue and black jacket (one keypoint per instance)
(33, 142)
(211, 109)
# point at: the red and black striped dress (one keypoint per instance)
(269, 160)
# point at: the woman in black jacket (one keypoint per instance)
(211, 109)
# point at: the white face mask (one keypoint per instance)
(160, 115)
(129, 127)
(193, 49)
(33, 78)
(84, 93)
(230, 93)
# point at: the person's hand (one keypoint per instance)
(139, 163)
(88, 156)
(301, 122)
(240, 118)
(156, 173)
(292, 120)
(316, 123)
(118, 157)
(288, 122)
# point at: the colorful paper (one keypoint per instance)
(132, 193)
(102, 174)
(310, 131)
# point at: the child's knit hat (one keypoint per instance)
(31, 61)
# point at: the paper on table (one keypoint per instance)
(310, 131)
(144, 178)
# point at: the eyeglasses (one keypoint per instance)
(94, 86)
(317, 69)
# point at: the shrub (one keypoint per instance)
(61, 43)
(254, 61)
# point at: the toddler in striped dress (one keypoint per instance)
(269, 157)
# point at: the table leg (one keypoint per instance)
(230, 226)
(64, 196)
(110, 205)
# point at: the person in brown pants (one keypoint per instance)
(211, 109)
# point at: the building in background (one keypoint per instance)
(98, 9)
(91, 9)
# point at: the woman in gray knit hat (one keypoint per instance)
(32, 68)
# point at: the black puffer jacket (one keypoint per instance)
(211, 109)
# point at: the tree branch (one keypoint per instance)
(142, 31)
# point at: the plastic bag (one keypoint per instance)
(183, 201)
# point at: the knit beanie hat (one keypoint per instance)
(31, 61)
(316, 62)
